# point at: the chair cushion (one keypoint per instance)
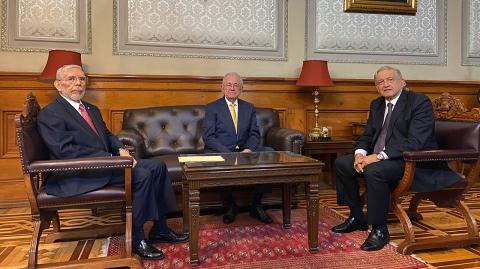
(106, 195)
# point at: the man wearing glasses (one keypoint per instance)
(73, 128)
(230, 125)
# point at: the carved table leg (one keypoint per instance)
(194, 213)
(286, 200)
(185, 202)
(312, 215)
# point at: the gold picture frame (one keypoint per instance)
(407, 7)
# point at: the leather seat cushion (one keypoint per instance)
(106, 195)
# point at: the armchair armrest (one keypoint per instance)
(412, 157)
(81, 164)
(440, 155)
(285, 139)
(133, 139)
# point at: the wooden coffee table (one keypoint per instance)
(276, 167)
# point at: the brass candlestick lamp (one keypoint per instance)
(314, 74)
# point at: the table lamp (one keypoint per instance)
(57, 59)
(315, 74)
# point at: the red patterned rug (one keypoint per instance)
(250, 244)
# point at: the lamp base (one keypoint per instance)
(319, 133)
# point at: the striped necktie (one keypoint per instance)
(87, 118)
(380, 143)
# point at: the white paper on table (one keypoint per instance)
(200, 158)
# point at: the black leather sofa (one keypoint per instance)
(164, 132)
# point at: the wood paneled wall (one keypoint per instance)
(341, 104)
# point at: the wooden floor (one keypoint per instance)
(15, 234)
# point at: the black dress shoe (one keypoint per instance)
(148, 252)
(168, 237)
(259, 213)
(229, 216)
(349, 225)
(376, 240)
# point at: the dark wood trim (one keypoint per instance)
(185, 78)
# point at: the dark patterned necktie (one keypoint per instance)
(87, 118)
(380, 143)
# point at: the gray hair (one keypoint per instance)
(232, 74)
(65, 68)
(386, 67)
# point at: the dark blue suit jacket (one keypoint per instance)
(219, 132)
(67, 136)
(411, 127)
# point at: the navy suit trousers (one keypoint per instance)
(152, 195)
(380, 179)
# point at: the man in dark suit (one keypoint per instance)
(224, 131)
(400, 120)
(73, 128)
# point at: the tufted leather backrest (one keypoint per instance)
(168, 129)
(454, 134)
(266, 119)
(178, 129)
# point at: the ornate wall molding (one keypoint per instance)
(31, 25)
(471, 32)
(201, 28)
(337, 36)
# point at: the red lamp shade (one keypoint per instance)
(314, 73)
(57, 59)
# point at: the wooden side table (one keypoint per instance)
(333, 147)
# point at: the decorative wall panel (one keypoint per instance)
(34, 25)
(237, 29)
(116, 119)
(471, 32)
(337, 36)
(9, 139)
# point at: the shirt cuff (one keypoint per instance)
(385, 156)
(361, 151)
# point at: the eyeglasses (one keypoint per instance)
(72, 79)
(383, 81)
(230, 85)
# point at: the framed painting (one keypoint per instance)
(408, 7)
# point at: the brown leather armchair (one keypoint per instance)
(458, 135)
(44, 208)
